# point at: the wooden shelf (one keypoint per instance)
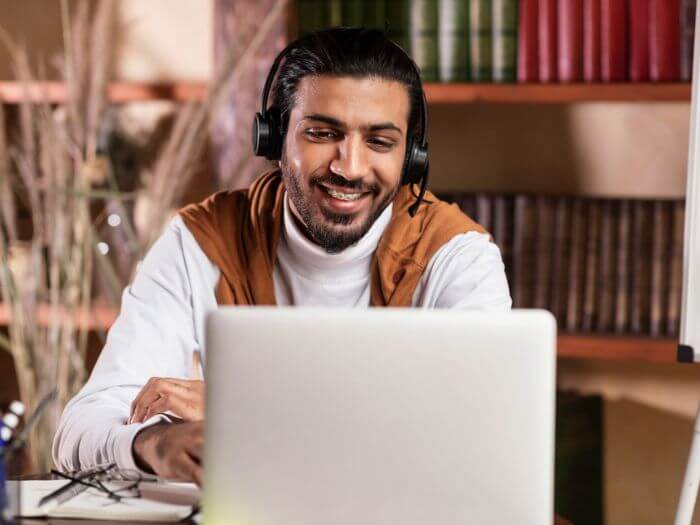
(437, 93)
(56, 92)
(583, 346)
(556, 93)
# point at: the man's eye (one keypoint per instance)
(380, 143)
(321, 134)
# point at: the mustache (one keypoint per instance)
(333, 179)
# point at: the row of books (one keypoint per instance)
(599, 265)
(526, 40)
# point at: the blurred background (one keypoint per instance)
(561, 125)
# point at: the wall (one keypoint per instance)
(596, 149)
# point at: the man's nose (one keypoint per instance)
(351, 159)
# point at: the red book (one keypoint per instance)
(639, 40)
(547, 22)
(664, 40)
(570, 40)
(591, 40)
(613, 43)
(527, 41)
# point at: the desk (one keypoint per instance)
(55, 521)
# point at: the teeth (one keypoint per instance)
(343, 196)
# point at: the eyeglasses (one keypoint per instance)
(110, 473)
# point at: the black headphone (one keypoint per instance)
(268, 137)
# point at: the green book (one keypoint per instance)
(423, 38)
(353, 13)
(334, 12)
(375, 14)
(397, 22)
(480, 40)
(453, 41)
(312, 16)
(505, 40)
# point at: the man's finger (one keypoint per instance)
(155, 389)
(147, 388)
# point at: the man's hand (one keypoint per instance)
(171, 450)
(183, 398)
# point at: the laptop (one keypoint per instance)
(379, 416)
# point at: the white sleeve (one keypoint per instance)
(467, 272)
(154, 335)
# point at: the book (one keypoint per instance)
(574, 300)
(641, 276)
(613, 40)
(375, 14)
(523, 251)
(605, 274)
(639, 41)
(570, 37)
(560, 259)
(591, 265)
(334, 12)
(622, 264)
(483, 210)
(659, 262)
(528, 46)
(544, 240)
(548, 47)
(503, 229)
(397, 22)
(480, 46)
(591, 40)
(453, 41)
(504, 40)
(665, 40)
(312, 16)
(353, 13)
(675, 277)
(688, 10)
(423, 37)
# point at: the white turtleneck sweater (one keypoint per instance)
(161, 322)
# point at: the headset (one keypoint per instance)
(268, 137)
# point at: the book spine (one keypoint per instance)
(688, 8)
(622, 265)
(606, 268)
(397, 22)
(523, 251)
(547, 22)
(591, 266)
(676, 269)
(335, 12)
(374, 14)
(483, 211)
(503, 230)
(423, 31)
(659, 262)
(591, 40)
(641, 277)
(480, 47)
(560, 259)
(665, 40)
(312, 16)
(639, 41)
(504, 40)
(570, 37)
(453, 41)
(353, 13)
(613, 43)
(576, 263)
(543, 251)
(528, 49)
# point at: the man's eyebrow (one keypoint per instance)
(338, 124)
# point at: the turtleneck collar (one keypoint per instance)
(312, 261)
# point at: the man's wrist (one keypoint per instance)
(143, 444)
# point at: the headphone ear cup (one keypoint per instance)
(415, 165)
(267, 140)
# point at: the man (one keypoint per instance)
(334, 226)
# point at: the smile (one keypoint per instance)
(343, 196)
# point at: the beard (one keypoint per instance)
(333, 231)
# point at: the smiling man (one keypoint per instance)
(338, 224)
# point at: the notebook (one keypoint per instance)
(159, 501)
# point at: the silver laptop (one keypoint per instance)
(379, 416)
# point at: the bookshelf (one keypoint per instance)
(437, 93)
(583, 346)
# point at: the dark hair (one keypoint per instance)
(346, 51)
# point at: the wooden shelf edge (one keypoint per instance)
(436, 93)
(617, 348)
(119, 92)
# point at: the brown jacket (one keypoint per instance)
(239, 231)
